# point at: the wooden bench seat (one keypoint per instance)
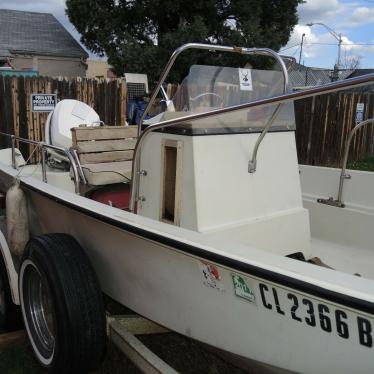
(107, 172)
(105, 153)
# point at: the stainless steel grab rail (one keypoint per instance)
(338, 202)
(310, 92)
(215, 48)
(218, 48)
(44, 147)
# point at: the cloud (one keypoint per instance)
(350, 46)
(316, 10)
(295, 40)
(362, 15)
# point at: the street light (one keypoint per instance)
(338, 37)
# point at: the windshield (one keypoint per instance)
(207, 88)
(212, 87)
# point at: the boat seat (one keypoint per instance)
(107, 172)
(105, 153)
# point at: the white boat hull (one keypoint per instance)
(164, 281)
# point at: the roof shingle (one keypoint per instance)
(35, 34)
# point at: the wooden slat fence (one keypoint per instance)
(323, 124)
(108, 98)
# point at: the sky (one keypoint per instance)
(353, 19)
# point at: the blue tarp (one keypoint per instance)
(19, 73)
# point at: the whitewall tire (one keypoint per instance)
(62, 305)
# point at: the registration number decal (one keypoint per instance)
(317, 314)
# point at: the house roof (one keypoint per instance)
(33, 33)
(359, 72)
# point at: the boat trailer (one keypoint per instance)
(122, 331)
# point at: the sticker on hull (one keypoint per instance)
(211, 276)
(242, 289)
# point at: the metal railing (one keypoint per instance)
(221, 48)
(343, 175)
(43, 149)
(310, 92)
(213, 48)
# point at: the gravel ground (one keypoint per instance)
(184, 355)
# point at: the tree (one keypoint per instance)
(140, 35)
(351, 62)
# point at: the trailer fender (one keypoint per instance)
(11, 269)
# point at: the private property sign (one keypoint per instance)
(43, 102)
(360, 112)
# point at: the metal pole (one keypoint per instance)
(49, 146)
(343, 174)
(252, 163)
(338, 37)
(335, 73)
(301, 47)
(80, 170)
(74, 169)
(339, 49)
(44, 168)
(13, 139)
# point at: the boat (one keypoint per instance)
(205, 223)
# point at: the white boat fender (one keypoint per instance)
(17, 219)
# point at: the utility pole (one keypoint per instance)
(301, 47)
(338, 37)
(339, 48)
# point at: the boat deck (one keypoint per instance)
(345, 259)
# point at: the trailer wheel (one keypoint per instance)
(10, 314)
(62, 305)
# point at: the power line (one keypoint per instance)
(348, 44)
(296, 51)
(293, 46)
(331, 44)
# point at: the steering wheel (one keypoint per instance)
(193, 99)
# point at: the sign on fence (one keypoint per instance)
(43, 102)
(360, 112)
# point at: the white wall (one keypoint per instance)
(51, 66)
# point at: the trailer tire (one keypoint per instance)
(10, 313)
(62, 305)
